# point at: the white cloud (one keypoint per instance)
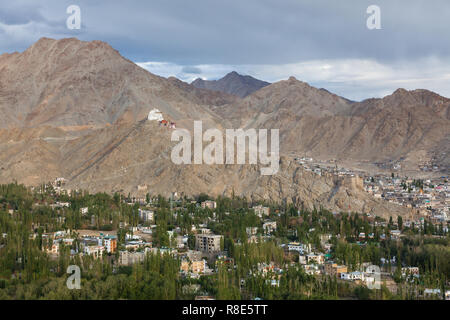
(356, 79)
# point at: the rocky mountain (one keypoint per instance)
(204, 96)
(324, 125)
(233, 83)
(71, 83)
(137, 160)
(78, 110)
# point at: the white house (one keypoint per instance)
(95, 251)
(155, 115)
(352, 276)
(432, 292)
(269, 226)
(146, 215)
(295, 246)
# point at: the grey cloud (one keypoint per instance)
(16, 13)
(191, 70)
(236, 32)
(257, 31)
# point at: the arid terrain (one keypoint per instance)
(79, 110)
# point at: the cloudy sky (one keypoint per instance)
(323, 42)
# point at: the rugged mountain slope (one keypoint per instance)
(77, 110)
(137, 160)
(321, 124)
(75, 83)
(283, 99)
(400, 124)
(233, 83)
(204, 96)
(28, 156)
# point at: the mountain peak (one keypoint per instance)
(47, 42)
(400, 91)
(44, 40)
(232, 83)
(59, 46)
(79, 83)
(418, 93)
(198, 80)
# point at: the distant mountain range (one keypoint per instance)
(406, 124)
(233, 83)
(78, 110)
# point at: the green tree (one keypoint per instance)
(400, 222)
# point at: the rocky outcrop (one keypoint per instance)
(233, 83)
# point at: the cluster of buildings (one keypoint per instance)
(429, 198)
(432, 197)
(430, 165)
(94, 246)
(194, 264)
(318, 263)
(156, 115)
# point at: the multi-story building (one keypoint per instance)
(269, 227)
(110, 243)
(146, 215)
(334, 269)
(311, 269)
(127, 258)
(209, 204)
(207, 242)
(261, 211)
(95, 251)
(196, 267)
(315, 258)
